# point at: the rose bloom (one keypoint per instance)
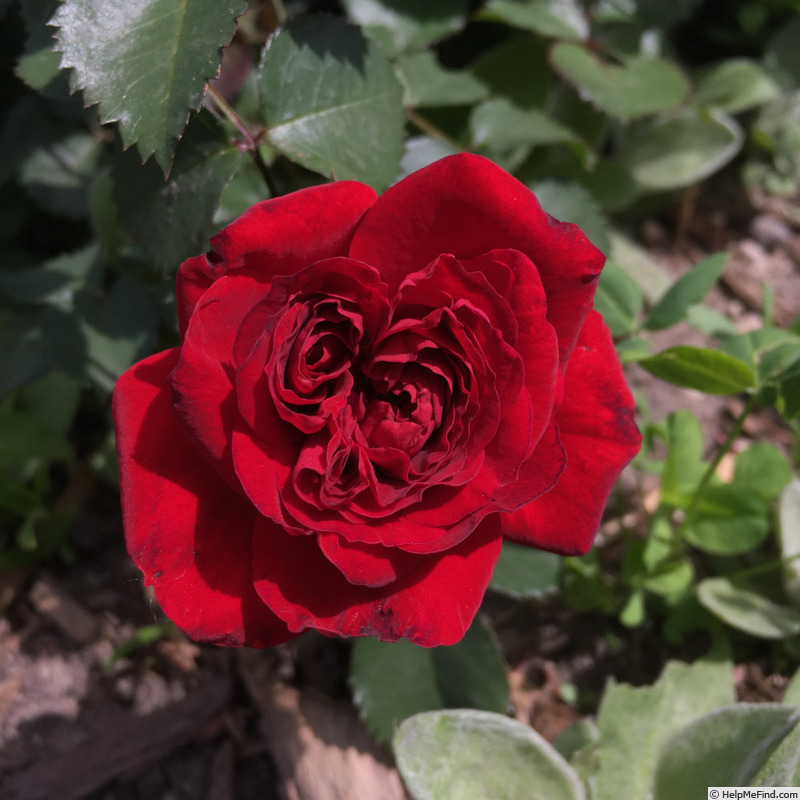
(370, 394)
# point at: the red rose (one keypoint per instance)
(369, 394)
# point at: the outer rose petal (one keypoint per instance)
(202, 381)
(598, 432)
(277, 237)
(466, 206)
(432, 605)
(187, 531)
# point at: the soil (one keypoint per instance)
(175, 720)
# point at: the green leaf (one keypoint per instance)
(681, 149)
(635, 723)
(523, 572)
(782, 54)
(400, 25)
(56, 281)
(728, 747)
(25, 436)
(727, 521)
(560, 19)
(618, 299)
(570, 202)
(146, 62)
(421, 151)
(57, 175)
(710, 321)
(748, 611)
(331, 101)
(501, 126)
(792, 694)
(427, 83)
(518, 70)
(687, 291)
(118, 331)
(735, 85)
(392, 681)
(762, 470)
(39, 65)
(53, 400)
(789, 539)
(640, 266)
(640, 87)
(170, 219)
(475, 755)
(709, 371)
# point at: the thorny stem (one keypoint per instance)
(712, 467)
(426, 126)
(251, 144)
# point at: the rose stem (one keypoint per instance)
(712, 467)
(249, 140)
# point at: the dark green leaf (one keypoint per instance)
(523, 572)
(170, 219)
(54, 282)
(331, 101)
(782, 55)
(570, 202)
(25, 436)
(735, 85)
(618, 299)
(729, 747)
(475, 755)
(709, 371)
(679, 150)
(117, 332)
(57, 175)
(52, 399)
(559, 19)
(687, 291)
(146, 63)
(640, 87)
(747, 610)
(517, 70)
(400, 25)
(392, 681)
(39, 65)
(427, 83)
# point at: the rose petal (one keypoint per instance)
(203, 378)
(600, 437)
(185, 529)
(366, 565)
(273, 238)
(432, 605)
(465, 205)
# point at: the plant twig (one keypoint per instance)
(251, 142)
(700, 491)
(426, 126)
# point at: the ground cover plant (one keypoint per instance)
(659, 661)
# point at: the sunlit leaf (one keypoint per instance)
(637, 88)
(331, 101)
(475, 755)
(146, 62)
(710, 371)
(677, 151)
